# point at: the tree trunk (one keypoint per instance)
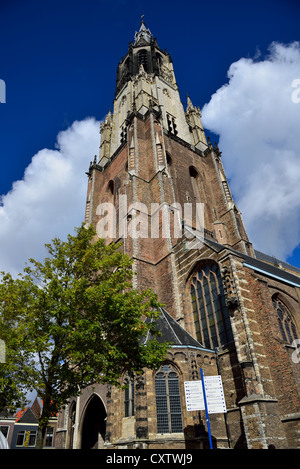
(40, 438)
(43, 422)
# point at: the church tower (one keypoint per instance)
(159, 186)
(158, 170)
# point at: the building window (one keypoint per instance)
(20, 438)
(32, 438)
(123, 135)
(111, 187)
(286, 325)
(49, 437)
(194, 175)
(193, 172)
(211, 318)
(172, 126)
(142, 59)
(26, 438)
(169, 159)
(168, 405)
(129, 396)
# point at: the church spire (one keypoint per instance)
(143, 34)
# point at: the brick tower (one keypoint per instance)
(159, 186)
(154, 165)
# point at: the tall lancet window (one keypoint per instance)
(142, 59)
(211, 317)
(285, 322)
(168, 404)
(194, 175)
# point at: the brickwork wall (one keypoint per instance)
(284, 373)
(187, 365)
(261, 383)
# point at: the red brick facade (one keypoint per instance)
(259, 369)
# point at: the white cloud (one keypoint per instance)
(50, 199)
(257, 116)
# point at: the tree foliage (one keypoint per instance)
(75, 320)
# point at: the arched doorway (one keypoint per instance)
(94, 423)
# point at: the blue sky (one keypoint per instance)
(59, 61)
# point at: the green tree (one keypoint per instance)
(12, 390)
(76, 320)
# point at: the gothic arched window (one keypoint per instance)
(211, 318)
(169, 159)
(194, 175)
(193, 172)
(286, 325)
(168, 404)
(111, 186)
(172, 126)
(142, 59)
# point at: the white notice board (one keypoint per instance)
(214, 395)
(194, 395)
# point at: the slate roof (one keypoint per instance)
(261, 263)
(26, 416)
(272, 270)
(172, 332)
(277, 262)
